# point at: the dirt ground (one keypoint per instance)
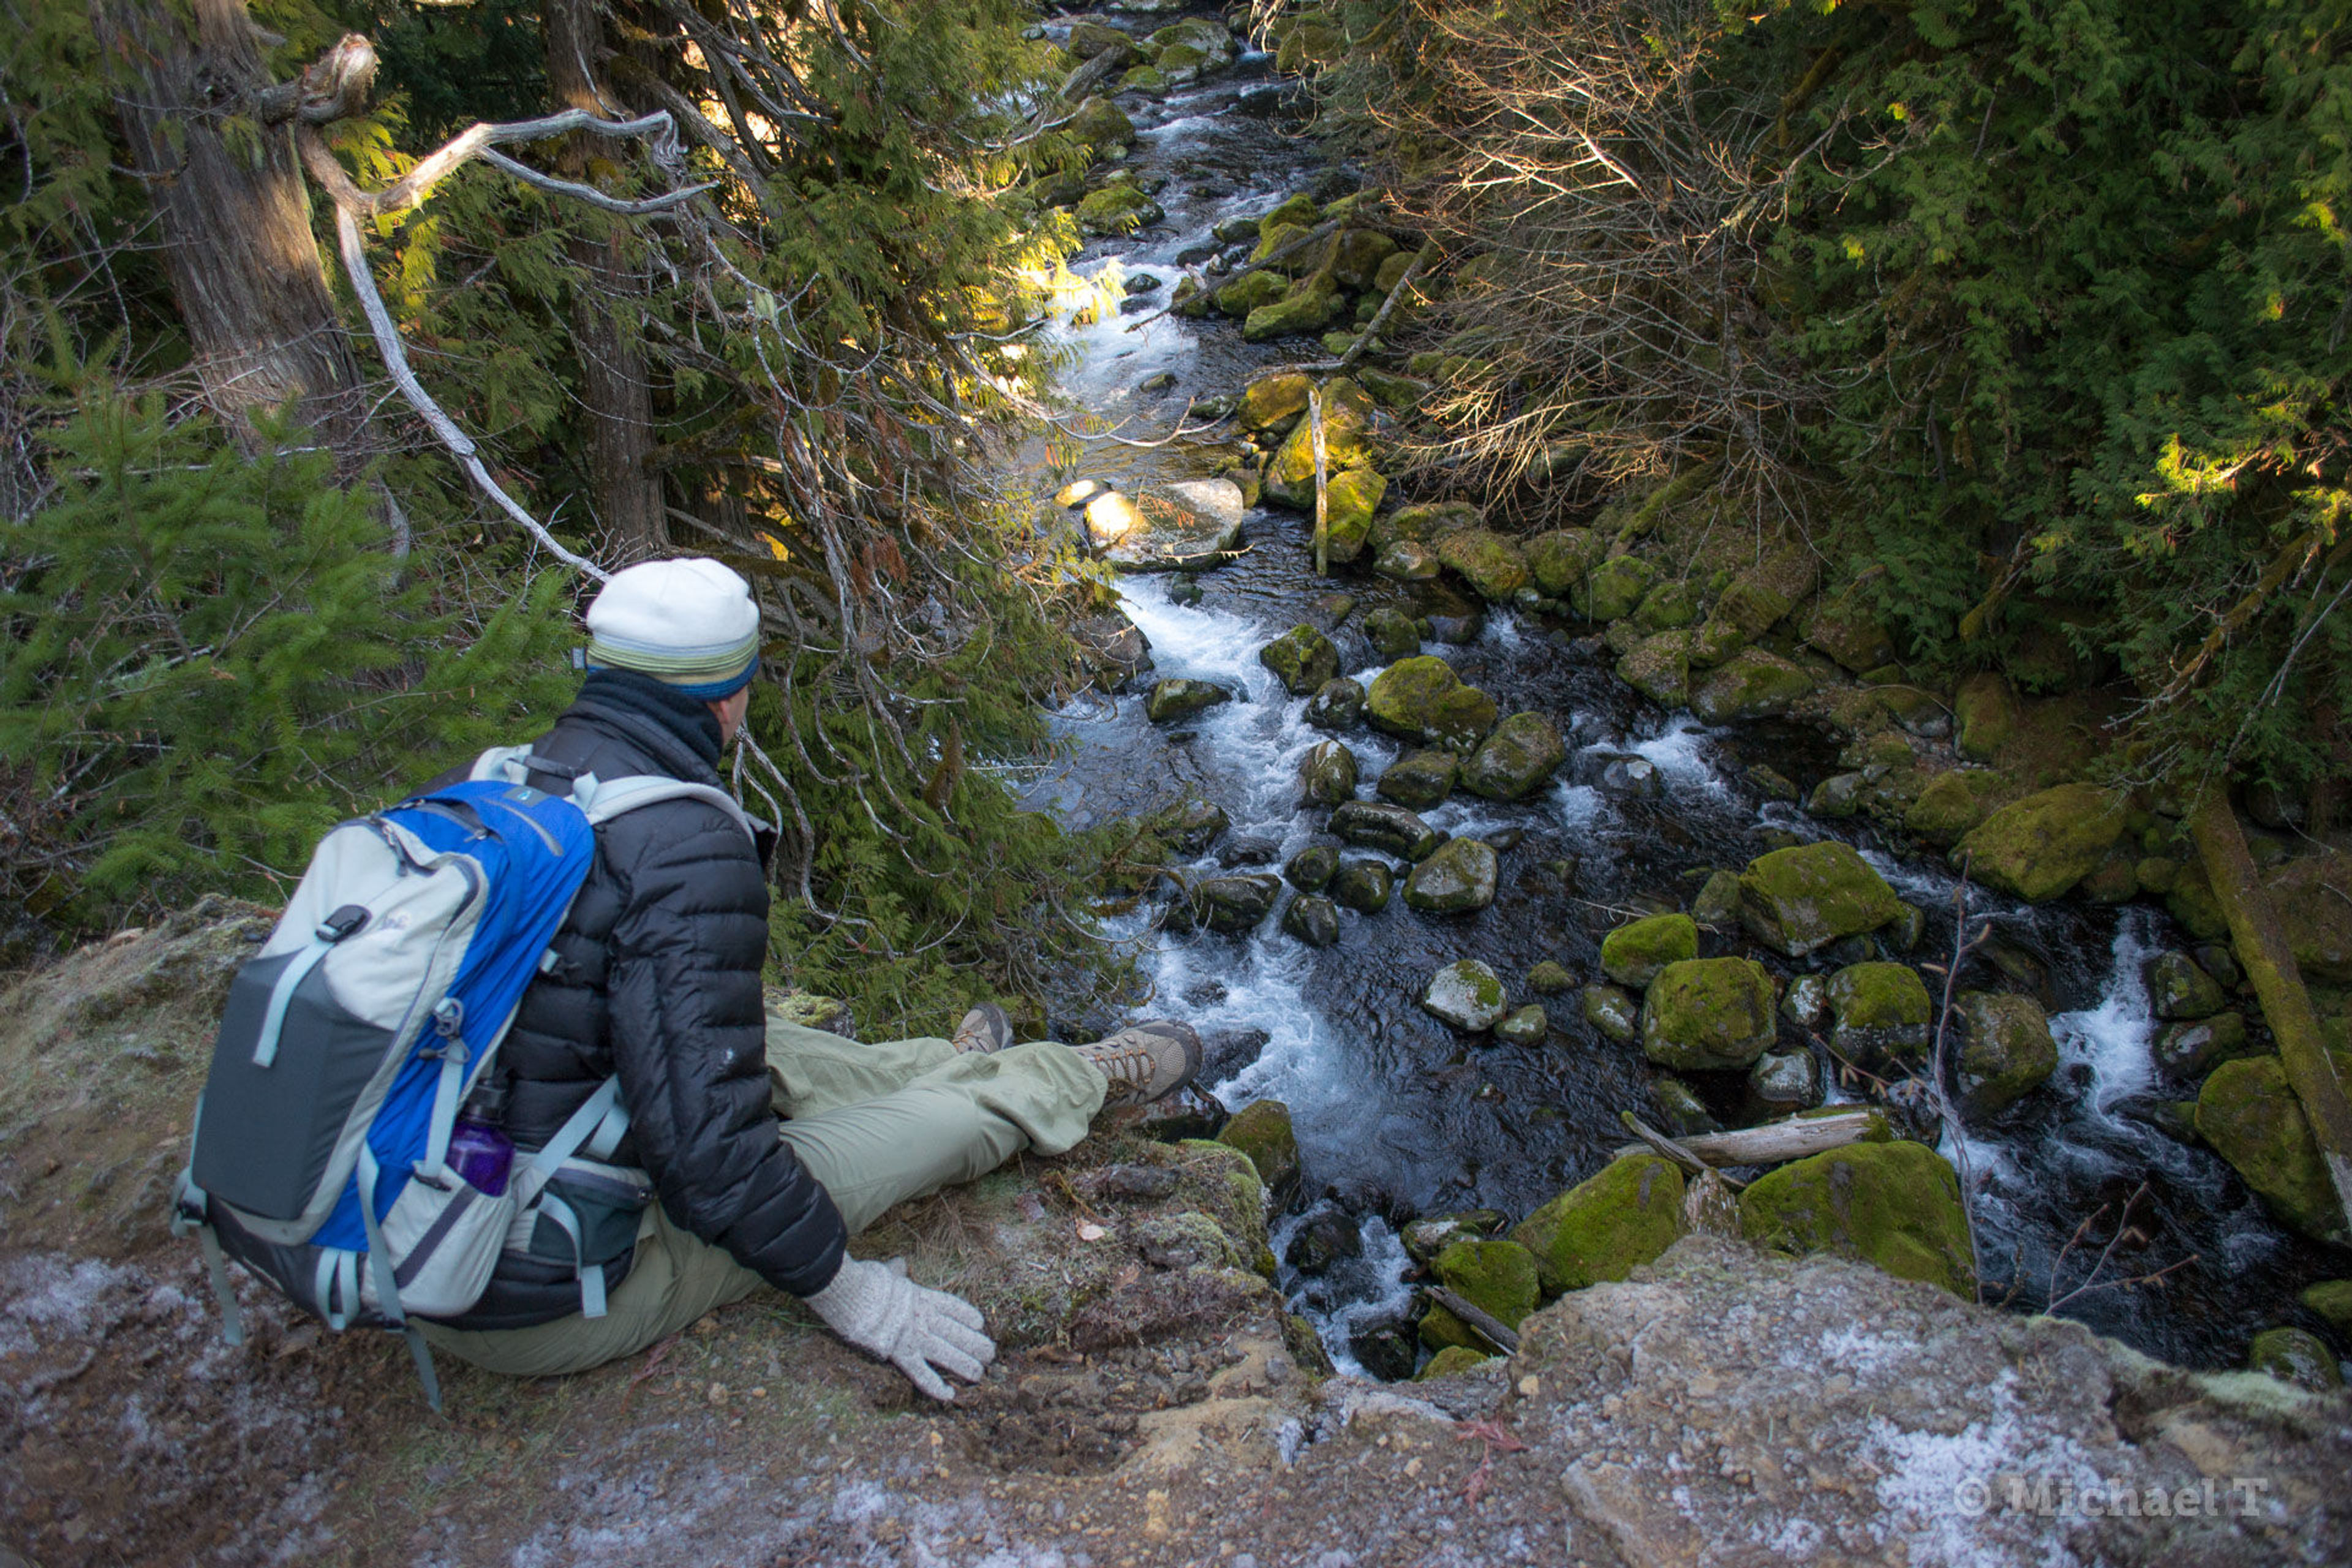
(1153, 1405)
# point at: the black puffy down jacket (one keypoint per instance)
(656, 977)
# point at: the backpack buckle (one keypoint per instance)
(343, 922)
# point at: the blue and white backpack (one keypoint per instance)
(319, 1155)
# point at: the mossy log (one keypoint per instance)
(1778, 1141)
(2262, 948)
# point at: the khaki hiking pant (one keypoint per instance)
(877, 1124)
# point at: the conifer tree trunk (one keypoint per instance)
(628, 492)
(212, 135)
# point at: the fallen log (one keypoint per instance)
(1477, 1320)
(1778, 1143)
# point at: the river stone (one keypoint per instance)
(2006, 1051)
(1326, 774)
(1363, 886)
(1659, 669)
(1525, 1027)
(1548, 978)
(1347, 444)
(1713, 640)
(1311, 868)
(1632, 955)
(1337, 705)
(1611, 1012)
(1716, 905)
(1612, 588)
(1629, 776)
(1188, 827)
(1373, 826)
(2332, 1299)
(1517, 759)
(1360, 255)
(1312, 303)
(1454, 629)
(1089, 39)
(2309, 895)
(1111, 518)
(1188, 526)
(1174, 699)
(1466, 994)
(1425, 1239)
(1235, 904)
(1099, 123)
(2189, 1050)
(1490, 563)
(1896, 1206)
(1705, 1013)
(1752, 684)
(1392, 633)
(1806, 896)
(1458, 878)
(1313, 920)
(1681, 1113)
(2039, 847)
(1606, 1226)
(1498, 1278)
(1984, 710)
(1768, 590)
(2249, 1115)
(1251, 292)
(1668, 606)
(1272, 402)
(1304, 659)
(2177, 989)
(1837, 797)
(1420, 779)
(1845, 629)
(1558, 559)
(1807, 1000)
(2193, 903)
(1420, 698)
(1406, 562)
(1262, 1131)
(1322, 1239)
(1118, 209)
(1427, 522)
(2297, 1356)
(1784, 1080)
(1880, 1013)
(1350, 500)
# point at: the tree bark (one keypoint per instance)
(212, 134)
(614, 383)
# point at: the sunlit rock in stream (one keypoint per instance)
(1459, 879)
(1372, 826)
(1303, 658)
(1467, 995)
(1179, 699)
(1337, 705)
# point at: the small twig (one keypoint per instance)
(1673, 1150)
(1946, 1111)
(1477, 1320)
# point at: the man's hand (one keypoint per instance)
(877, 1308)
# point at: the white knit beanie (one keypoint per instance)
(690, 624)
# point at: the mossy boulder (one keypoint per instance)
(1713, 640)
(1118, 209)
(1310, 870)
(1310, 305)
(1525, 1025)
(1420, 698)
(1607, 1226)
(1880, 1012)
(1189, 825)
(2297, 1356)
(1392, 633)
(1659, 669)
(1768, 590)
(1751, 684)
(1491, 563)
(2311, 896)
(1347, 444)
(1363, 886)
(1278, 238)
(1298, 208)
(1668, 607)
(1373, 826)
(1359, 257)
(1262, 1131)
(1715, 906)
(1984, 711)
(1426, 522)
(1272, 402)
(2332, 1299)
(2178, 988)
(1337, 704)
(1896, 1206)
(1548, 978)
(1947, 808)
(2006, 1051)
(1313, 920)
(1304, 659)
(1848, 630)
(1350, 500)
(1236, 905)
(1498, 1278)
(1251, 291)
(1614, 1013)
(1327, 774)
(1610, 590)
(1171, 701)
(2192, 1048)
(1452, 1361)
(1681, 1113)
(1516, 759)
(1708, 1012)
(2192, 902)
(1632, 955)
(1420, 779)
(1558, 559)
(2248, 1114)
(1458, 878)
(1805, 897)
(2039, 847)
(1099, 123)
(1467, 995)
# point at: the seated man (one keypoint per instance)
(656, 977)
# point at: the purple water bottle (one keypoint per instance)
(479, 1150)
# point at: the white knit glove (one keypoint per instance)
(877, 1308)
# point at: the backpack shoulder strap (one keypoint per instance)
(604, 799)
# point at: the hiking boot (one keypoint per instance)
(1145, 1062)
(984, 1028)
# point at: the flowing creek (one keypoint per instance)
(1397, 1117)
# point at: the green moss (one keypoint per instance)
(1751, 684)
(1659, 669)
(2040, 847)
(1607, 1226)
(1492, 563)
(1611, 589)
(1882, 1011)
(1705, 1013)
(1311, 304)
(1984, 711)
(2308, 894)
(2249, 1115)
(1668, 606)
(1560, 560)
(2192, 902)
(1300, 209)
(1422, 699)
(1806, 896)
(1262, 1133)
(1896, 1206)
(1347, 444)
(2332, 1299)
(1118, 209)
(2297, 1356)
(1516, 759)
(1952, 805)
(1304, 657)
(1632, 955)
(2006, 1049)
(1420, 779)
(1498, 1278)
(1251, 291)
(1272, 402)
(1349, 500)
(1452, 1359)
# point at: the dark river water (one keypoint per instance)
(1396, 1115)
